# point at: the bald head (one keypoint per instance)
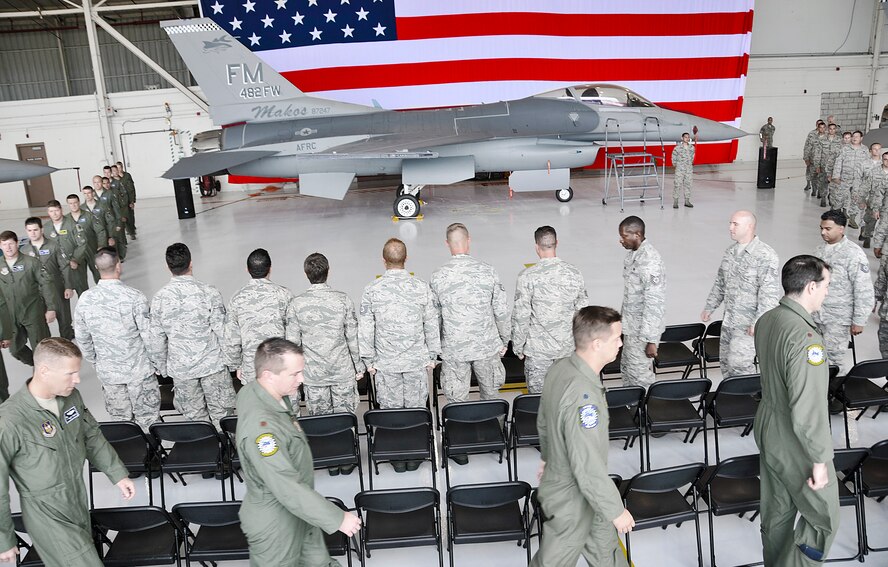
(458, 238)
(742, 227)
(394, 254)
(108, 263)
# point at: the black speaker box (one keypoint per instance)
(184, 198)
(767, 169)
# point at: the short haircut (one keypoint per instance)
(846, 133)
(106, 179)
(545, 237)
(857, 132)
(800, 271)
(106, 259)
(836, 216)
(8, 235)
(53, 203)
(259, 263)
(821, 123)
(270, 354)
(316, 268)
(633, 224)
(683, 134)
(592, 322)
(831, 125)
(73, 196)
(874, 144)
(178, 258)
(106, 167)
(87, 188)
(120, 163)
(394, 252)
(457, 227)
(51, 349)
(33, 220)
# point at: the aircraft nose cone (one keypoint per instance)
(709, 130)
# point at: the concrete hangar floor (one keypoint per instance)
(352, 232)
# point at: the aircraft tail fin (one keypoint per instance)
(239, 86)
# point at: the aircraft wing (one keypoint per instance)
(213, 162)
(409, 141)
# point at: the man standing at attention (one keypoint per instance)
(792, 423)
(683, 160)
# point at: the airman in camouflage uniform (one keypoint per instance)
(187, 324)
(863, 188)
(112, 327)
(258, 311)
(808, 156)
(29, 296)
(826, 149)
(324, 324)
(130, 187)
(683, 160)
(848, 165)
(851, 298)
(72, 244)
(547, 296)
(55, 262)
(748, 283)
(644, 304)
(766, 133)
(398, 334)
(474, 311)
(114, 222)
(881, 291)
(90, 229)
(878, 182)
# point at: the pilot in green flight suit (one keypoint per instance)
(6, 330)
(581, 505)
(792, 423)
(46, 434)
(282, 515)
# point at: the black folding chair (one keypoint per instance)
(28, 555)
(399, 435)
(475, 427)
(167, 408)
(611, 370)
(874, 480)
(672, 352)
(856, 391)
(218, 537)
(656, 500)
(196, 449)
(709, 346)
(624, 407)
(403, 517)
(733, 404)
(146, 535)
(228, 425)
(134, 449)
(730, 487)
(483, 513)
(523, 427)
(847, 463)
(338, 544)
(333, 439)
(515, 378)
(676, 405)
(366, 390)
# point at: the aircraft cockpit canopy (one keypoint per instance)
(600, 94)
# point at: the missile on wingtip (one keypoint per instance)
(14, 170)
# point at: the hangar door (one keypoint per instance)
(38, 190)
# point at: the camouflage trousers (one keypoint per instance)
(332, 398)
(208, 398)
(402, 389)
(809, 176)
(535, 370)
(820, 185)
(835, 339)
(635, 366)
(137, 401)
(839, 196)
(736, 352)
(681, 182)
(883, 338)
(28, 331)
(456, 377)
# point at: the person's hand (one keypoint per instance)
(520, 357)
(5, 344)
(705, 316)
(69, 293)
(751, 331)
(819, 170)
(650, 350)
(807, 162)
(371, 370)
(624, 522)
(127, 488)
(876, 215)
(540, 471)
(856, 329)
(9, 555)
(350, 524)
(819, 477)
(503, 351)
(132, 205)
(111, 242)
(74, 265)
(240, 375)
(50, 316)
(877, 252)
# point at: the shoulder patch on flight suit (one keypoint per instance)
(267, 444)
(4, 271)
(71, 414)
(816, 354)
(864, 267)
(589, 416)
(43, 252)
(48, 428)
(52, 235)
(655, 279)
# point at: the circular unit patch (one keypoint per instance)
(589, 416)
(267, 444)
(816, 354)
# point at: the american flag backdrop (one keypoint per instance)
(687, 55)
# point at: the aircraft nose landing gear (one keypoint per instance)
(564, 195)
(406, 204)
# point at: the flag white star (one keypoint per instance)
(330, 15)
(297, 19)
(249, 6)
(235, 24)
(362, 14)
(285, 37)
(343, 2)
(269, 22)
(281, 4)
(254, 39)
(379, 29)
(312, 2)
(315, 34)
(347, 31)
(217, 7)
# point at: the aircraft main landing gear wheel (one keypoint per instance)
(406, 206)
(564, 195)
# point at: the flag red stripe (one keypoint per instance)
(567, 70)
(718, 110)
(532, 23)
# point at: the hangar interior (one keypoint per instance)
(807, 59)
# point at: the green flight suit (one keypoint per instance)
(792, 433)
(44, 455)
(101, 226)
(129, 185)
(6, 331)
(115, 226)
(55, 262)
(579, 500)
(282, 515)
(93, 231)
(29, 294)
(72, 244)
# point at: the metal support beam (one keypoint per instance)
(875, 49)
(103, 105)
(201, 103)
(98, 8)
(63, 64)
